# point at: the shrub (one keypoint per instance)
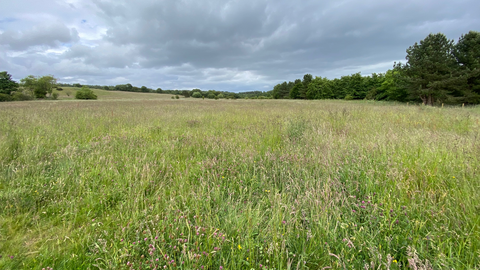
(19, 96)
(349, 97)
(85, 93)
(197, 95)
(221, 96)
(68, 92)
(177, 97)
(59, 89)
(55, 96)
(211, 96)
(5, 97)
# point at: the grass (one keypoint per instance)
(68, 93)
(223, 184)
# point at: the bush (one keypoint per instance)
(221, 96)
(19, 96)
(55, 96)
(211, 96)
(5, 97)
(349, 97)
(59, 89)
(177, 97)
(197, 95)
(85, 93)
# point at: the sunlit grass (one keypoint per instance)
(264, 184)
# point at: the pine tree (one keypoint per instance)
(431, 68)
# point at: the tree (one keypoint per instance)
(197, 95)
(430, 68)
(307, 79)
(144, 89)
(467, 54)
(186, 93)
(39, 86)
(85, 93)
(7, 85)
(44, 86)
(295, 91)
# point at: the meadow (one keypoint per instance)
(156, 183)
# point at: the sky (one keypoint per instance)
(236, 45)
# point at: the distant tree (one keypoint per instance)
(211, 95)
(159, 90)
(186, 93)
(144, 89)
(197, 95)
(85, 93)
(106, 88)
(39, 86)
(7, 85)
(295, 91)
(319, 88)
(431, 68)
(307, 79)
(467, 54)
(45, 86)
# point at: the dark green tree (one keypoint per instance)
(144, 89)
(431, 68)
(85, 93)
(7, 85)
(295, 91)
(467, 53)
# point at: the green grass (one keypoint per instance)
(68, 93)
(118, 184)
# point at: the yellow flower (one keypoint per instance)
(395, 261)
(453, 177)
(239, 247)
(247, 258)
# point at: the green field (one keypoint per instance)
(68, 93)
(141, 181)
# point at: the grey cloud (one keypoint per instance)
(49, 35)
(231, 45)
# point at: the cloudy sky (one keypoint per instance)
(229, 45)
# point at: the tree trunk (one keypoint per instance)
(424, 100)
(430, 100)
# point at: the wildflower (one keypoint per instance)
(221, 267)
(395, 261)
(284, 222)
(239, 247)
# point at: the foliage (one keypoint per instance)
(85, 93)
(430, 68)
(7, 84)
(197, 95)
(436, 71)
(39, 87)
(5, 97)
(20, 96)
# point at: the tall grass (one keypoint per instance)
(205, 184)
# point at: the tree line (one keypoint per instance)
(437, 70)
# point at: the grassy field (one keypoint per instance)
(245, 184)
(68, 93)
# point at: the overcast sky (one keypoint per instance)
(224, 45)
